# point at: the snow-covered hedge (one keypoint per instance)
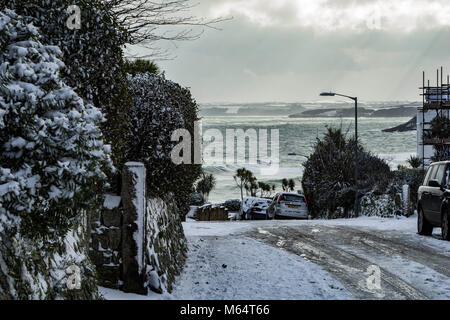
(383, 205)
(52, 157)
(159, 108)
(53, 163)
(93, 57)
(329, 179)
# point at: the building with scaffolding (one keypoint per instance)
(436, 103)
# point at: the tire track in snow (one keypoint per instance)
(350, 269)
(392, 246)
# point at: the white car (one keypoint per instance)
(289, 206)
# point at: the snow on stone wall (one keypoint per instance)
(30, 270)
(106, 242)
(138, 244)
(138, 169)
(165, 244)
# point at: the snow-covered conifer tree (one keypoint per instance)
(53, 161)
(92, 54)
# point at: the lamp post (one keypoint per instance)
(332, 94)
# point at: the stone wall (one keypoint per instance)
(166, 245)
(106, 240)
(137, 243)
(32, 270)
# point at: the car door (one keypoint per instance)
(447, 177)
(437, 195)
(425, 190)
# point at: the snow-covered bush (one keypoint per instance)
(412, 177)
(383, 205)
(93, 57)
(233, 205)
(329, 176)
(53, 162)
(196, 199)
(159, 108)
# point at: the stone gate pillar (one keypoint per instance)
(133, 226)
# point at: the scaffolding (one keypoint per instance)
(436, 102)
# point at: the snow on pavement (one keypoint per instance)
(243, 268)
(223, 263)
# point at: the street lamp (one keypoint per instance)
(332, 94)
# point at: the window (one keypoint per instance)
(430, 173)
(292, 197)
(440, 173)
(447, 177)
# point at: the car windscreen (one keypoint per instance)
(292, 197)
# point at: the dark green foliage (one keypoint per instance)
(53, 162)
(141, 66)
(266, 189)
(285, 184)
(439, 132)
(206, 184)
(93, 57)
(414, 162)
(413, 177)
(159, 108)
(439, 128)
(329, 180)
(244, 179)
(251, 187)
(291, 185)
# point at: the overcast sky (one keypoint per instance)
(291, 50)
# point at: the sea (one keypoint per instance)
(296, 139)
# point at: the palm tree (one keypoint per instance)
(141, 66)
(251, 187)
(414, 162)
(285, 184)
(242, 178)
(291, 185)
(206, 184)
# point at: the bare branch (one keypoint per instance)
(148, 22)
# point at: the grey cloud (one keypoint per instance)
(247, 62)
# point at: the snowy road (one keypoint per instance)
(409, 270)
(337, 259)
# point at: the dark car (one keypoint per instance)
(259, 209)
(434, 200)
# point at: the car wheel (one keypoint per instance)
(445, 226)
(423, 226)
